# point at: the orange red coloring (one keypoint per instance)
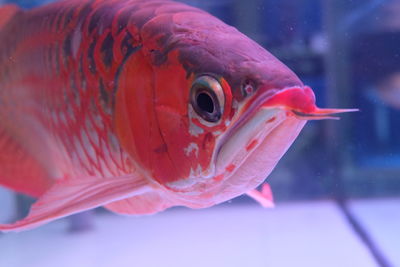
(137, 106)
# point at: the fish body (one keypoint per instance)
(138, 106)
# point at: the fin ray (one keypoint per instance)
(148, 203)
(70, 196)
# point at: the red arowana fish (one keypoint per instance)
(139, 105)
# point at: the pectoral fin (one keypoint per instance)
(20, 170)
(265, 197)
(70, 196)
(7, 12)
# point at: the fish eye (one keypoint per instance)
(207, 98)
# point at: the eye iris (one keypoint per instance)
(205, 102)
(207, 99)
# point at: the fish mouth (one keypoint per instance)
(262, 117)
(248, 132)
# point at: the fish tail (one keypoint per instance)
(7, 13)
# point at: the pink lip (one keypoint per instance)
(301, 101)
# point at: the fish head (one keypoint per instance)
(223, 109)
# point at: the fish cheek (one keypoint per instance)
(135, 119)
(172, 101)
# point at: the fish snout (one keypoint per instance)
(301, 102)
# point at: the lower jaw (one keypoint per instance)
(251, 167)
(256, 167)
(248, 137)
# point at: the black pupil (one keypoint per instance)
(205, 102)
